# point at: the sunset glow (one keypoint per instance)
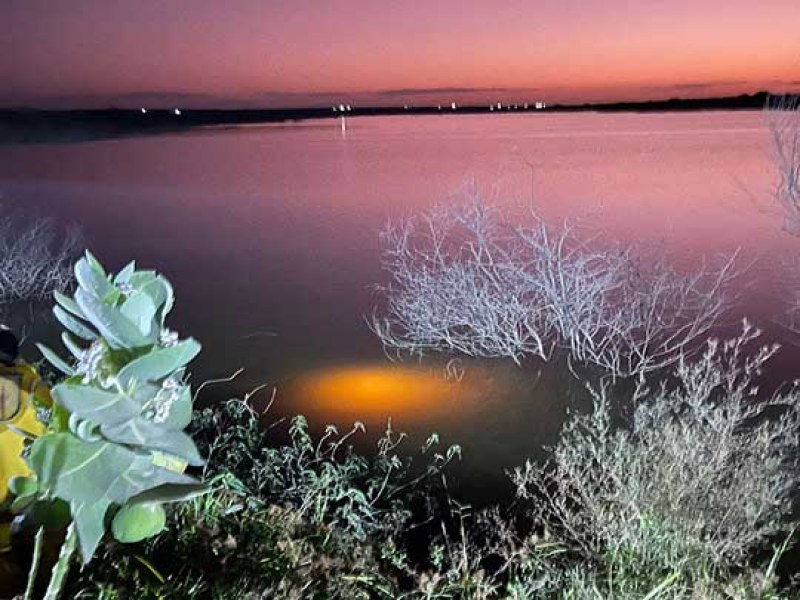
(251, 53)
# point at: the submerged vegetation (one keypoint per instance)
(468, 279)
(35, 261)
(679, 481)
(683, 489)
(693, 501)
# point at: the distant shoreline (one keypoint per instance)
(53, 126)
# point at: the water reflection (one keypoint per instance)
(269, 235)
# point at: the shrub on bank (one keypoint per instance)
(304, 518)
(679, 497)
(700, 482)
(691, 500)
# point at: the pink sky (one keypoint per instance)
(279, 53)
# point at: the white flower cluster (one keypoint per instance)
(92, 367)
(168, 338)
(158, 409)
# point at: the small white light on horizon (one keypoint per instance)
(144, 111)
(452, 106)
(176, 111)
(341, 108)
(349, 108)
(499, 106)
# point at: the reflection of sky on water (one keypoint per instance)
(270, 236)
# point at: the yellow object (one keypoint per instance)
(21, 389)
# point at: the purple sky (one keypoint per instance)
(278, 53)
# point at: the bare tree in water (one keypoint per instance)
(467, 279)
(783, 119)
(35, 260)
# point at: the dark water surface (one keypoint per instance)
(269, 235)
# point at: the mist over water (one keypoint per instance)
(269, 235)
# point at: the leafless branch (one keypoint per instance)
(456, 285)
(466, 279)
(35, 260)
(783, 119)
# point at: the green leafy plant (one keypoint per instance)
(293, 513)
(115, 447)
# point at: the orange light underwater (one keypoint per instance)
(382, 391)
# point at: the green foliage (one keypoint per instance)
(281, 522)
(307, 518)
(136, 522)
(677, 505)
(699, 483)
(324, 480)
(116, 440)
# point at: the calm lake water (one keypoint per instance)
(269, 235)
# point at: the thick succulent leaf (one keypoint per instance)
(117, 330)
(88, 472)
(124, 275)
(94, 263)
(22, 504)
(172, 493)
(74, 325)
(22, 486)
(93, 280)
(141, 311)
(55, 360)
(159, 363)
(139, 279)
(154, 436)
(136, 522)
(180, 413)
(90, 524)
(86, 430)
(160, 290)
(69, 305)
(101, 406)
(71, 345)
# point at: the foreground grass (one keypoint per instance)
(692, 501)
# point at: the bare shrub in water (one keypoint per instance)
(783, 120)
(457, 285)
(701, 478)
(35, 260)
(465, 279)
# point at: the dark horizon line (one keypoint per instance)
(43, 125)
(398, 107)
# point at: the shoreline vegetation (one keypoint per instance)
(679, 480)
(27, 125)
